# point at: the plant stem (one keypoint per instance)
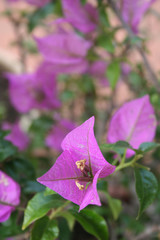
(138, 45)
(124, 157)
(11, 205)
(58, 210)
(131, 163)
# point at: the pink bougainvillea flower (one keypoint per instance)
(134, 122)
(133, 11)
(66, 50)
(37, 90)
(9, 193)
(84, 18)
(58, 132)
(98, 70)
(75, 173)
(125, 69)
(16, 136)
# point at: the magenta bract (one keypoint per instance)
(66, 50)
(133, 11)
(134, 122)
(9, 193)
(37, 90)
(75, 173)
(58, 132)
(84, 18)
(17, 137)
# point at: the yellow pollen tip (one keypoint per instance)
(81, 187)
(81, 164)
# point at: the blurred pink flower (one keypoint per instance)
(84, 18)
(9, 193)
(98, 71)
(125, 69)
(133, 11)
(134, 122)
(66, 50)
(75, 173)
(37, 3)
(16, 136)
(37, 90)
(58, 132)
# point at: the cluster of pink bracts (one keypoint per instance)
(76, 171)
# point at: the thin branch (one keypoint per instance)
(138, 45)
(12, 205)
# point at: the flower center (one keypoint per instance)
(87, 176)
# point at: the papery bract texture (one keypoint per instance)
(84, 18)
(37, 90)
(17, 137)
(134, 122)
(9, 193)
(75, 173)
(133, 11)
(66, 50)
(58, 132)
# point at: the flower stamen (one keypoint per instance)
(80, 186)
(81, 164)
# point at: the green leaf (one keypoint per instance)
(20, 169)
(148, 146)
(39, 205)
(45, 229)
(118, 147)
(113, 73)
(36, 17)
(92, 222)
(106, 43)
(115, 206)
(10, 227)
(6, 149)
(104, 16)
(49, 191)
(33, 187)
(146, 188)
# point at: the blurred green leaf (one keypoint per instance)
(39, 205)
(41, 126)
(103, 15)
(33, 187)
(10, 227)
(65, 233)
(92, 222)
(6, 149)
(106, 43)
(45, 229)
(36, 17)
(48, 191)
(20, 169)
(148, 146)
(113, 73)
(118, 147)
(146, 188)
(115, 206)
